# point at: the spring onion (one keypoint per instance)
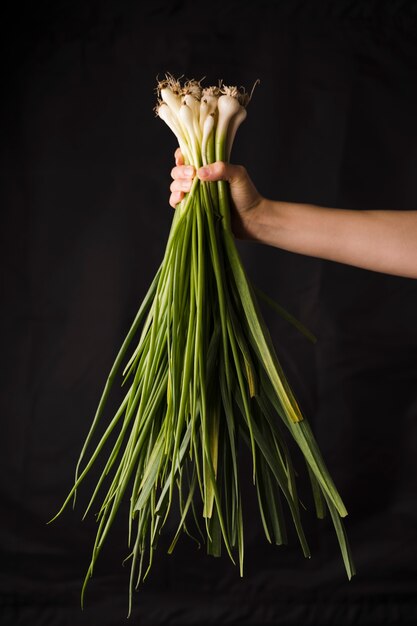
(202, 379)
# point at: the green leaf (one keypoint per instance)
(286, 315)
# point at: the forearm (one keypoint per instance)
(382, 241)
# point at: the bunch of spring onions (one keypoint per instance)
(202, 379)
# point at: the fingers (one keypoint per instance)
(222, 171)
(179, 159)
(183, 178)
(175, 198)
(185, 172)
(179, 187)
(181, 184)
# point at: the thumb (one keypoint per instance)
(221, 171)
(244, 194)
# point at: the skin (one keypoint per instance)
(381, 241)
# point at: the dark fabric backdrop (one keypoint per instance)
(84, 209)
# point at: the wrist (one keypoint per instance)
(263, 222)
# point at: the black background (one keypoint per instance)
(84, 219)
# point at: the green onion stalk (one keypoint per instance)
(202, 380)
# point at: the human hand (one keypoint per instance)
(246, 200)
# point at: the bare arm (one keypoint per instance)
(382, 241)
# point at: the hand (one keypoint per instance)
(246, 200)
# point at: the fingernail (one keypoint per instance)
(189, 170)
(203, 171)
